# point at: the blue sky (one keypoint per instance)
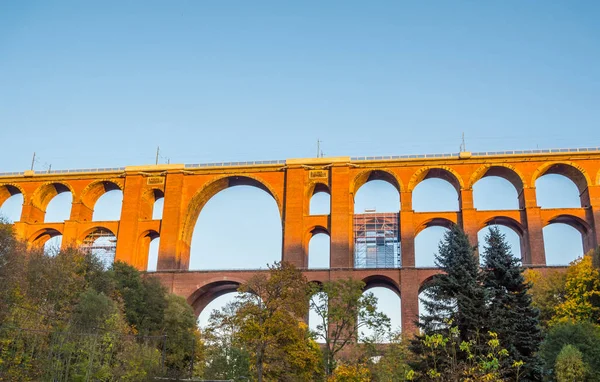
(103, 84)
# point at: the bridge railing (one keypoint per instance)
(360, 158)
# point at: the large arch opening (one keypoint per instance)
(497, 188)
(11, 203)
(320, 201)
(238, 227)
(101, 243)
(435, 189)
(561, 185)
(566, 238)
(319, 248)
(389, 303)
(428, 239)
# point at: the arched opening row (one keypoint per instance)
(219, 295)
(53, 202)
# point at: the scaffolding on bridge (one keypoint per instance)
(377, 240)
(102, 244)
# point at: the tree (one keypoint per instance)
(183, 344)
(511, 314)
(582, 292)
(343, 311)
(392, 365)
(569, 365)
(547, 292)
(225, 358)
(584, 336)
(455, 297)
(144, 298)
(268, 318)
(447, 358)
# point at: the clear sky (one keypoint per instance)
(102, 84)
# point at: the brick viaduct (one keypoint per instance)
(292, 183)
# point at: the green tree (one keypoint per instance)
(343, 311)
(392, 364)
(547, 292)
(455, 297)
(144, 298)
(582, 293)
(225, 358)
(271, 307)
(183, 347)
(511, 314)
(570, 366)
(584, 336)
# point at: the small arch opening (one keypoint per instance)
(157, 207)
(320, 202)
(319, 248)
(149, 244)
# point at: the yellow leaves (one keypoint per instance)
(582, 285)
(350, 373)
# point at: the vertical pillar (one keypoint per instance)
(170, 247)
(127, 238)
(32, 214)
(594, 193)
(293, 216)
(532, 219)
(468, 217)
(342, 213)
(409, 301)
(407, 231)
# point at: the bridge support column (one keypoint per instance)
(594, 212)
(342, 213)
(532, 220)
(170, 247)
(407, 231)
(31, 214)
(127, 239)
(294, 250)
(468, 217)
(409, 300)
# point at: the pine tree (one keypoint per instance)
(456, 297)
(511, 314)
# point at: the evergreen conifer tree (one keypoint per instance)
(511, 314)
(456, 297)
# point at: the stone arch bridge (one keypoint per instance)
(292, 183)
